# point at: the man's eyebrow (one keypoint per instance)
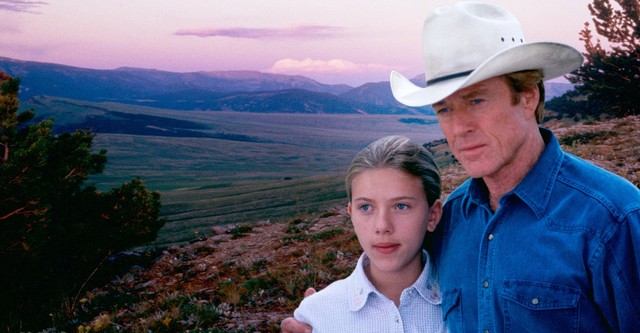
(471, 94)
(474, 93)
(437, 104)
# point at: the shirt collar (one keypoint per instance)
(427, 283)
(535, 188)
(361, 288)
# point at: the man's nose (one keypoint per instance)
(462, 121)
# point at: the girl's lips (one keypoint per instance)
(386, 248)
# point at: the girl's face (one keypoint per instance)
(390, 215)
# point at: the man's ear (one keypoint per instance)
(435, 213)
(530, 99)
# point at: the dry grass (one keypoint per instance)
(612, 144)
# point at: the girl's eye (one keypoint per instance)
(365, 207)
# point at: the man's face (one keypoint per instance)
(486, 132)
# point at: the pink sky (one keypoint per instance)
(332, 41)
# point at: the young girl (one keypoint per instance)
(393, 187)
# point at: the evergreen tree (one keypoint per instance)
(54, 230)
(611, 74)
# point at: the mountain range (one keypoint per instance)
(243, 91)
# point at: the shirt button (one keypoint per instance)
(535, 301)
(485, 284)
(490, 236)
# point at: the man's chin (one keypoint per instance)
(474, 169)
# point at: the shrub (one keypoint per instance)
(325, 234)
(240, 231)
(55, 232)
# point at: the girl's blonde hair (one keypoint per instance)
(401, 153)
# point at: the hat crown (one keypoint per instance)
(469, 42)
(459, 38)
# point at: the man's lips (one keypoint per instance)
(386, 248)
(470, 149)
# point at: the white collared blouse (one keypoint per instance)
(354, 305)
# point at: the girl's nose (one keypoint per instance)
(382, 223)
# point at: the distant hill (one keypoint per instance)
(379, 94)
(245, 91)
(556, 89)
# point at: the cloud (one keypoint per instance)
(24, 6)
(304, 31)
(334, 71)
(333, 66)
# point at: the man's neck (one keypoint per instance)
(510, 176)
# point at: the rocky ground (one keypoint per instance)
(247, 278)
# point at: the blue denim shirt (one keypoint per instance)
(561, 254)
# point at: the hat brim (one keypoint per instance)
(554, 59)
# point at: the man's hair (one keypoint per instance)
(525, 81)
(401, 153)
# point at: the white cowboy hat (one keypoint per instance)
(473, 41)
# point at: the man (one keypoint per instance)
(538, 240)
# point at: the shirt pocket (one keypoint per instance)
(452, 310)
(530, 306)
